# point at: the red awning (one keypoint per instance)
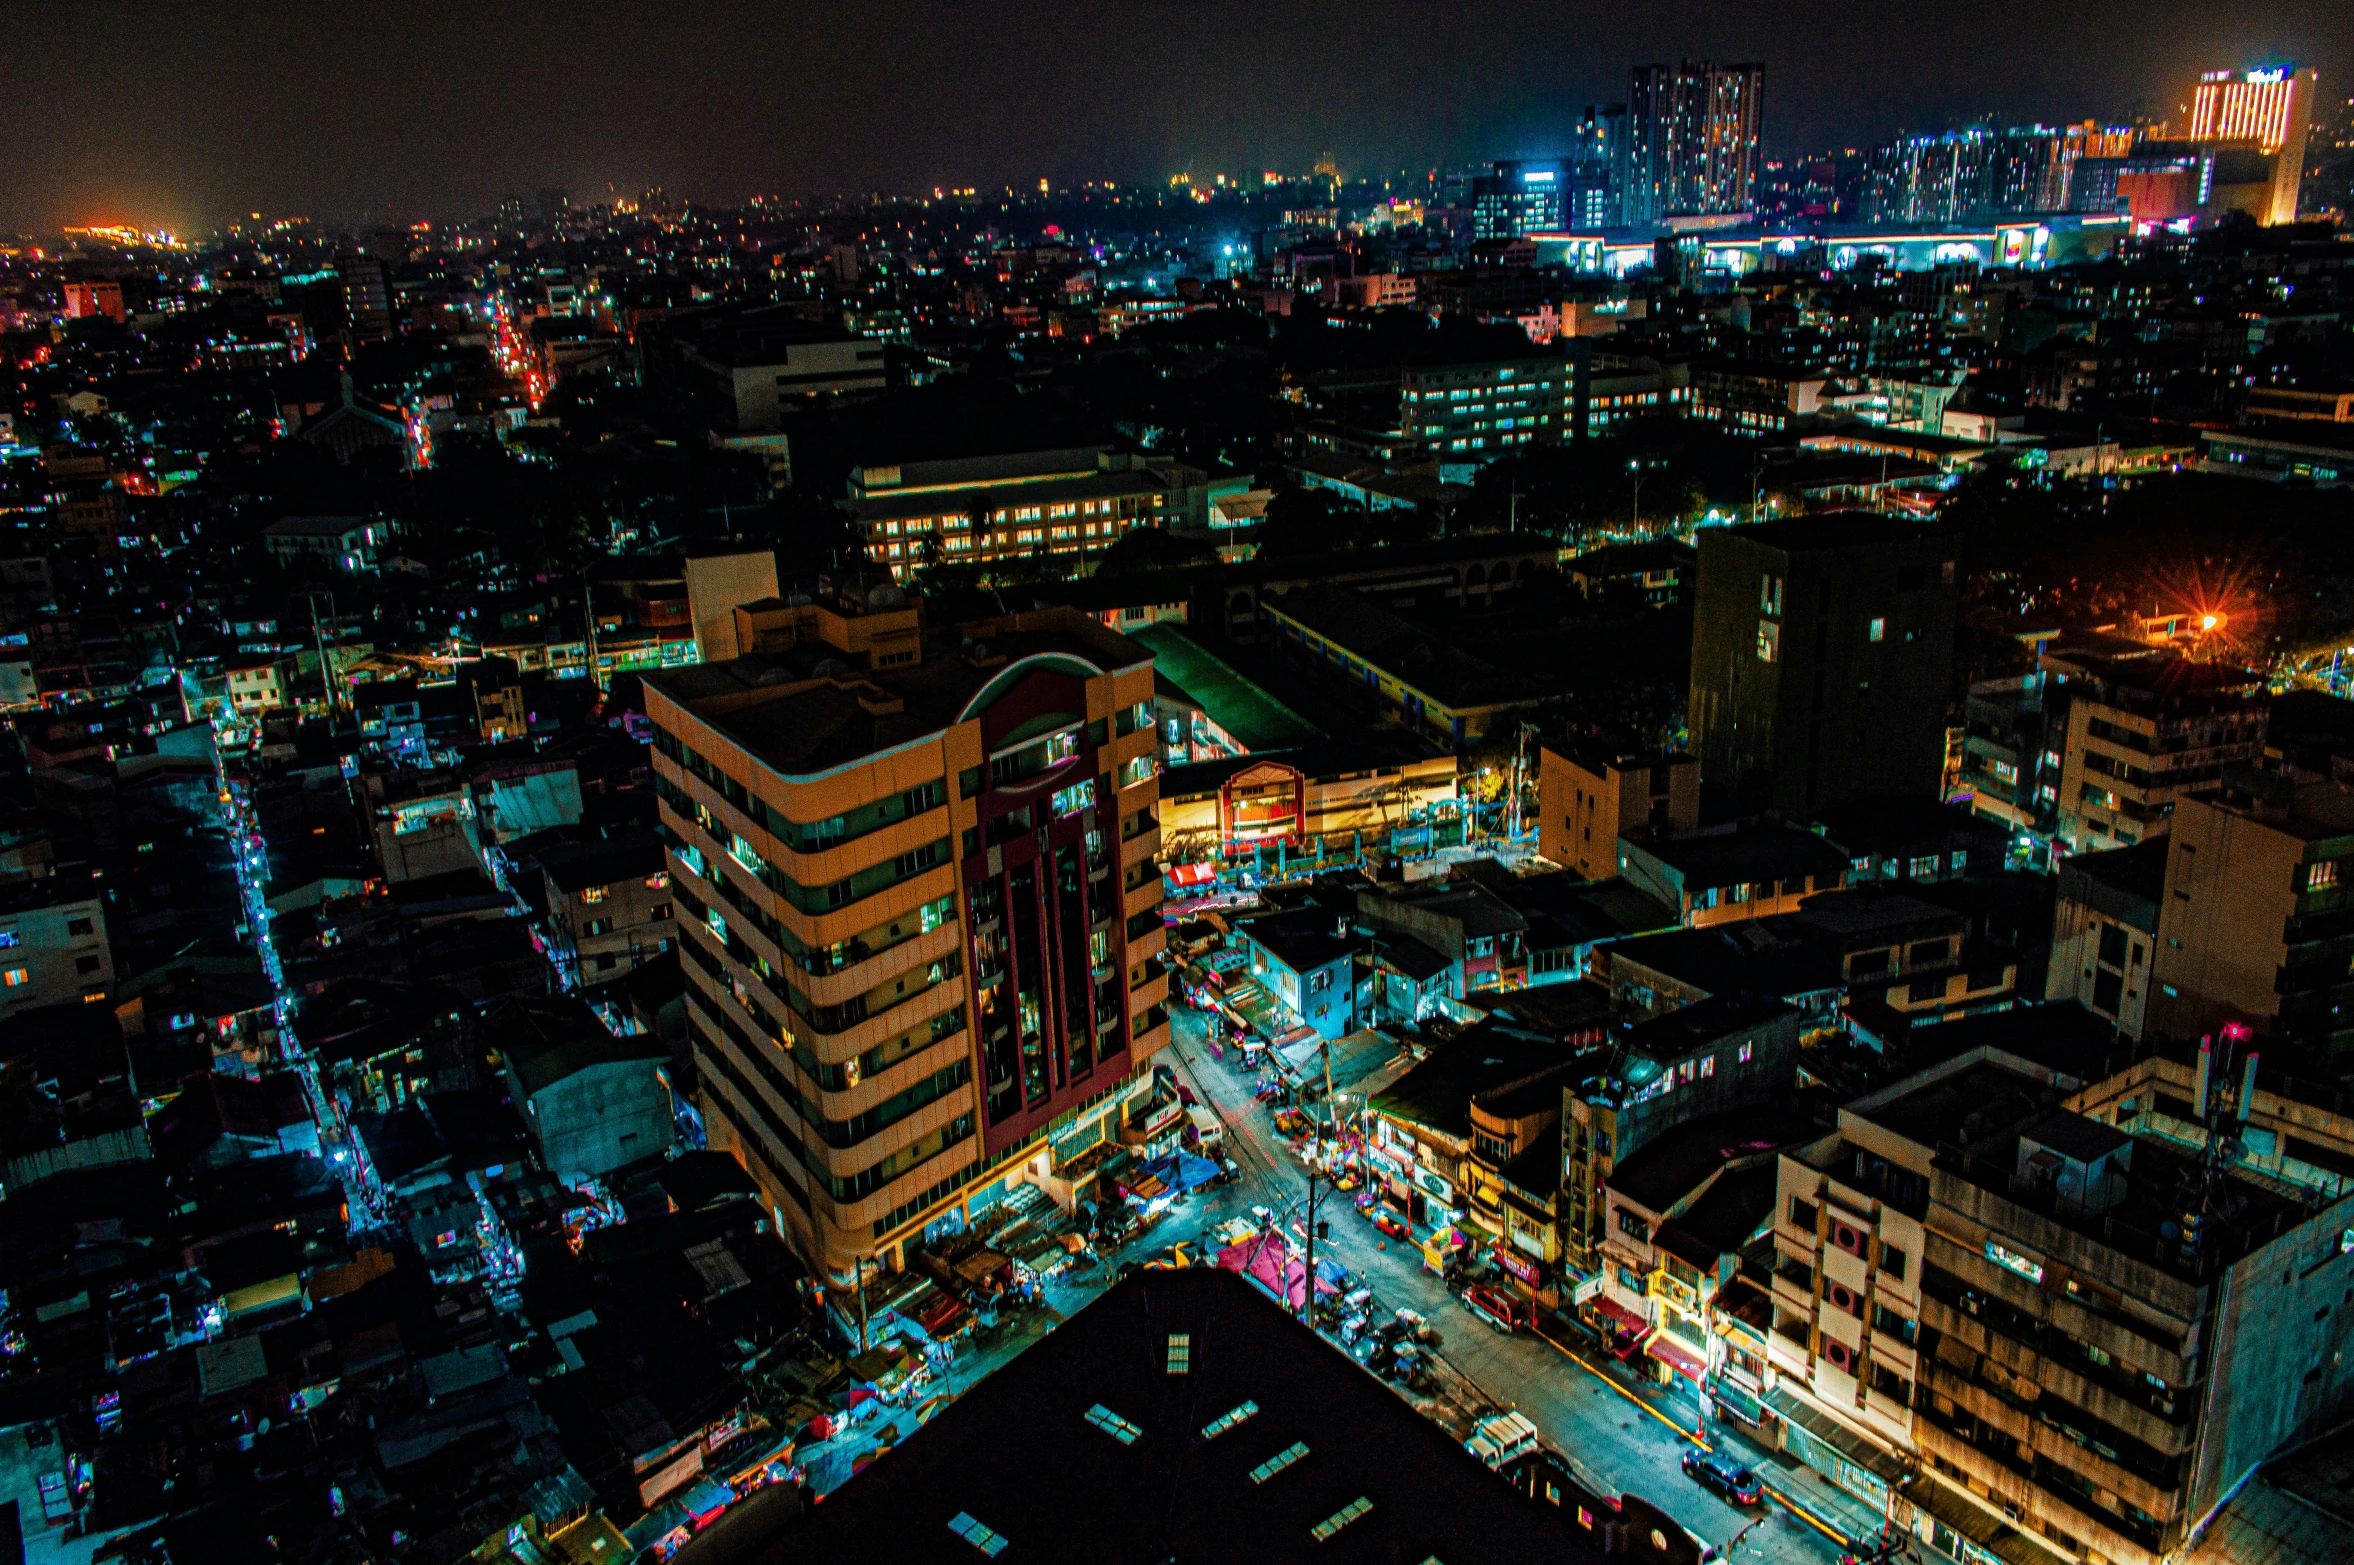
(1620, 1318)
(1676, 1356)
(1192, 874)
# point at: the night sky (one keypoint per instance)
(188, 114)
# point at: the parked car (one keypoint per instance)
(1730, 1480)
(1498, 1308)
(1391, 1225)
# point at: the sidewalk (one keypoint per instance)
(1816, 1500)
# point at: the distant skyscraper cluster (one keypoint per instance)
(1685, 146)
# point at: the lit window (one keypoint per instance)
(2322, 876)
(1878, 631)
(1180, 1353)
(1769, 641)
(16, 977)
(1113, 1424)
(1227, 1420)
(593, 894)
(658, 881)
(1279, 1461)
(1341, 1518)
(980, 1537)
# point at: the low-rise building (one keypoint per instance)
(2105, 932)
(593, 1101)
(2258, 879)
(339, 543)
(2142, 731)
(2046, 1308)
(1590, 794)
(1726, 874)
(1680, 1212)
(1709, 1058)
(1430, 684)
(607, 904)
(53, 946)
(1308, 961)
(979, 510)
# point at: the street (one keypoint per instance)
(1611, 1437)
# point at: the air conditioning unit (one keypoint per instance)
(1849, 1239)
(1840, 1355)
(1841, 1297)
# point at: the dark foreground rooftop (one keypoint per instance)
(1038, 1455)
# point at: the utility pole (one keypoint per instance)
(319, 640)
(1308, 1282)
(858, 1272)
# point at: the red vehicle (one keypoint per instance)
(1498, 1308)
(1392, 1226)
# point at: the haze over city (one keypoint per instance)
(187, 116)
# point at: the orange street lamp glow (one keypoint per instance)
(2209, 621)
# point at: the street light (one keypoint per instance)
(1636, 468)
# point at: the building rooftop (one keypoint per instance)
(1696, 1026)
(1727, 1215)
(1975, 1112)
(2131, 876)
(1437, 1092)
(1628, 559)
(1892, 824)
(1673, 1164)
(1478, 910)
(1301, 941)
(1115, 1463)
(878, 505)
(314, 526)
(1750, 851)
(1411, 653)
(799, 722)
(602, 861)
(1256, 720)
(2312, 811)
(1824, 531)
(877, 478)
(547, 1040)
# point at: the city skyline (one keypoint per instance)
(190, 125)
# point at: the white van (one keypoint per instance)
(1205, 1123)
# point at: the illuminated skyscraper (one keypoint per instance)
(1517, 198)
(2271, 107)
(1692, 132)
(919, 913)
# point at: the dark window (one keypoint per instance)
(1888, 1323)
(1892, 1262)
(1923, 990)
(1629, 1223)
(77, 926)
(85, 964)
(2108, 992)
(2113, 945)
(1802, 1215)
